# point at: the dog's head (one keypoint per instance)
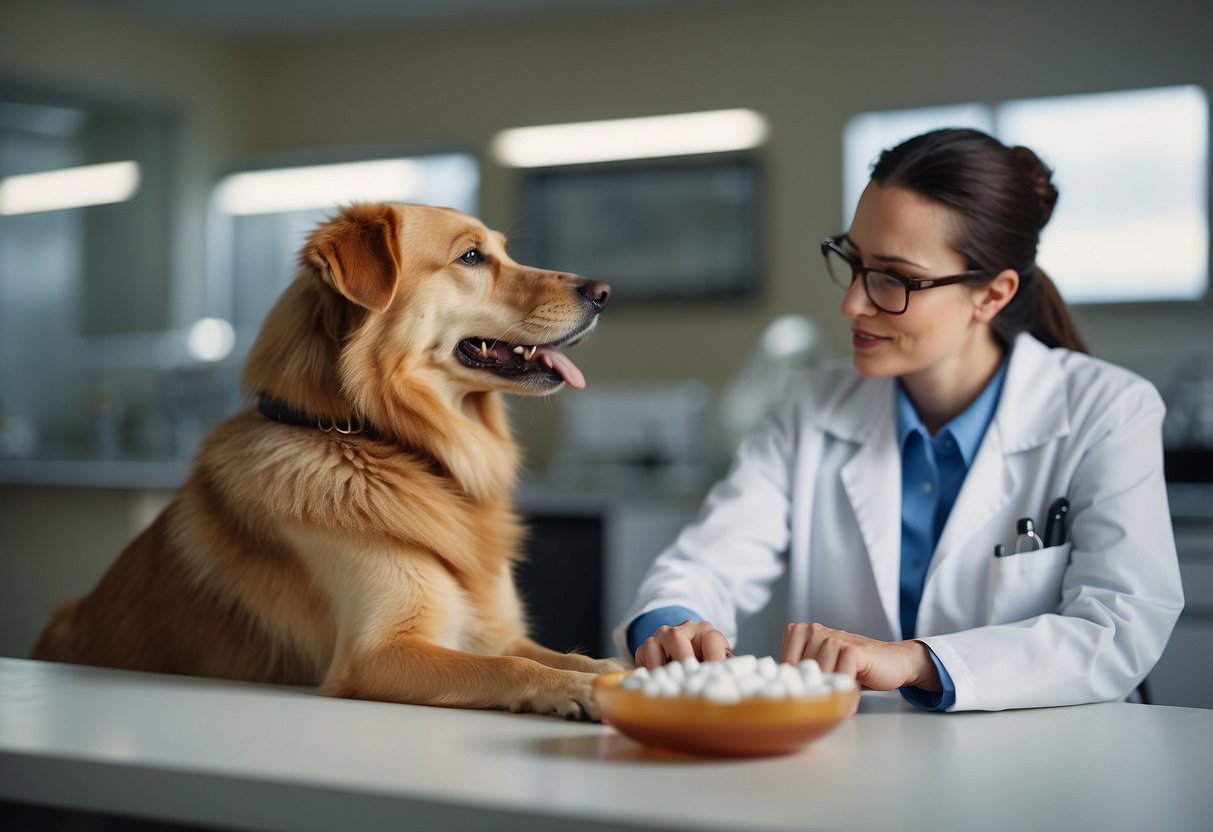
(413, 319)
(440, 292)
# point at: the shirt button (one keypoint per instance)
(927, 488)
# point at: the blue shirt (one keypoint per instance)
(932, 471)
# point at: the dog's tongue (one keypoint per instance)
(560, 362)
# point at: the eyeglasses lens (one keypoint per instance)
(840, 269)
(885, 291)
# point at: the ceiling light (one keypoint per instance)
(210, 339)
(316, 186)
(684, 134)
(79, 187)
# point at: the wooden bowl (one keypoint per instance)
(693, 725)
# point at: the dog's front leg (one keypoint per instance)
(528, 648)
(417, 672)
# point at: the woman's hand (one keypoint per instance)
(690, 638)
(878, 665)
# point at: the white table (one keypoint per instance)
(207, 752)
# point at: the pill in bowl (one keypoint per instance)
(741, 706)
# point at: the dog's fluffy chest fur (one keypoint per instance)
(440, 564)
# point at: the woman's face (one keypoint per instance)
(897, 230)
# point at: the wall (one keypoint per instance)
(807, 65)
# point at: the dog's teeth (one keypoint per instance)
(484, 350)
(531, 353)
(520, 350)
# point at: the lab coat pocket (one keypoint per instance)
(1027, 584)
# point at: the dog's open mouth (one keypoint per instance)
(541, 361)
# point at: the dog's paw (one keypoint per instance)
(572, 699)
(609, 665)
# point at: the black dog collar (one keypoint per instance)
(280, 411)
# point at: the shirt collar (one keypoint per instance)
(967, 429)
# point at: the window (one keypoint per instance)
(262, 218)
(85, 192)
(1131, 223)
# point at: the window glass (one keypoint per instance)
(1131, 223)
(263, 217)
(84, 249)
(867, 134)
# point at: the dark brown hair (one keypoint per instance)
(1003, 198)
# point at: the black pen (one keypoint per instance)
(1055, 523)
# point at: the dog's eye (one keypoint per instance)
(472, 257)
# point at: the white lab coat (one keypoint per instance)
(818, 489)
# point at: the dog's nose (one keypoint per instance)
(596, 292)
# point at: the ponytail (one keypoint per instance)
(1052, 323)
(1039, 310)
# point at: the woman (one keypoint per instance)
(971, 405)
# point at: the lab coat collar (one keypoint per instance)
(860, 411)
(872, 482)
(1032, 411)
(1034, 408)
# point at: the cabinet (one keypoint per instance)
(1184, 674)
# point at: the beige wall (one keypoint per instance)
(806, 65)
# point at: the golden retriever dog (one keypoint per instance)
(355, 530)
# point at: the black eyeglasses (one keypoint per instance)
(888, 292)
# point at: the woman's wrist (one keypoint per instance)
(924, 674)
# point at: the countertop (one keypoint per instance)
(263, 757)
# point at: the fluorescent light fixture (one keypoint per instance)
(684, 134)
(316, 186)
(54, 190)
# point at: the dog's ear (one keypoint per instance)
(358, 252)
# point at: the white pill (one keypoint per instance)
(786, 672)
(810, 672)
(721, 690)
(749, 686)
(742, 665)
(841, 682)
(774, 689)
(794, 684)
(694, 683)
(738, 678)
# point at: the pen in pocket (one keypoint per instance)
(1055, 523)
